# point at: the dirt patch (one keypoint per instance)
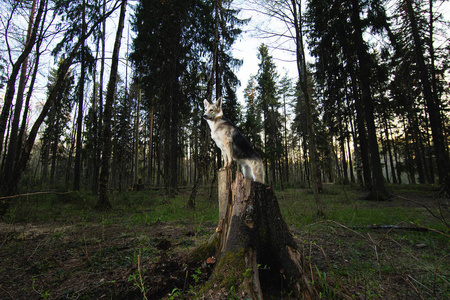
(58, 261)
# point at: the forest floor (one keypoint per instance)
(56, 246)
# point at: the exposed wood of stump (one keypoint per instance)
(256, 251)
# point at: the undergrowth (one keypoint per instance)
(345, 255)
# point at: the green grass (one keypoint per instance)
(342, 206)
(133, 208)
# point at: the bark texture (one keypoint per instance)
(254, 244)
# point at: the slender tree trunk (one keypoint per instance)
(103, 200)
(99, 109)
(389, 148)
(78, 141)
(350, 161)
(10, 84)
(136, 155)
(10, 186)
(397, 162)
(207, 136)
(150, 146)
(416, 142)
(95, 162)
(433, 105)
(408, 162)
(301, 67)
(344, 160)
(286, 156)
(54, 149)
(23, 125)
(386, 170)
(26, 109)
(14, 133)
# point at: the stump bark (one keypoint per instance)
(256, 253)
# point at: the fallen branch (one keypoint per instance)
(440, 218)
(391, 227)
(34, 194)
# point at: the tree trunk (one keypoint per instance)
(103, 200)
(301, 67)
(10, 186)
(256, 251)
(13, 139)
(150, 146)
(206, 136)
(79, 142)
(433, 105)
(11, 83)
(378, 187)
(389, 148)
(136, 154)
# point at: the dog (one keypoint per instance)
(233, 145)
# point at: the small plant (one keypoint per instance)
(325, 289)
(247, 273)
(196, 276)
(43, 294)
(137, 279)
(176, 292)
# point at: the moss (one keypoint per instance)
(204, 250)
(230, 270)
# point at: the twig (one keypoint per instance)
(9, 294)
(442, 219)
(375, 246)
(405, 276)
(140, 277)
(33, 194)
(40, 242)
(346, 296)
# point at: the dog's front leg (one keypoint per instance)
(228, 157)
(224, 160)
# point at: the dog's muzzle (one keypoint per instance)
(206, 117)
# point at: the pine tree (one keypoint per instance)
(56, 122)
(252, 124)
(268, 103)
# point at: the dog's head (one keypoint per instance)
(213, 111)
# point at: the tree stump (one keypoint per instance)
(256, 253)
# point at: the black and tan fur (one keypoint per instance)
(232, 143)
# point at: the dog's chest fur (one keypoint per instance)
(221, 133)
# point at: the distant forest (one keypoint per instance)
(371, 108)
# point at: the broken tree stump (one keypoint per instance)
(256, 253)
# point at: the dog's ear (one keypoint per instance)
(219, 102)
(205, 103)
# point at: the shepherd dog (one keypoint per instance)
(233, 145)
